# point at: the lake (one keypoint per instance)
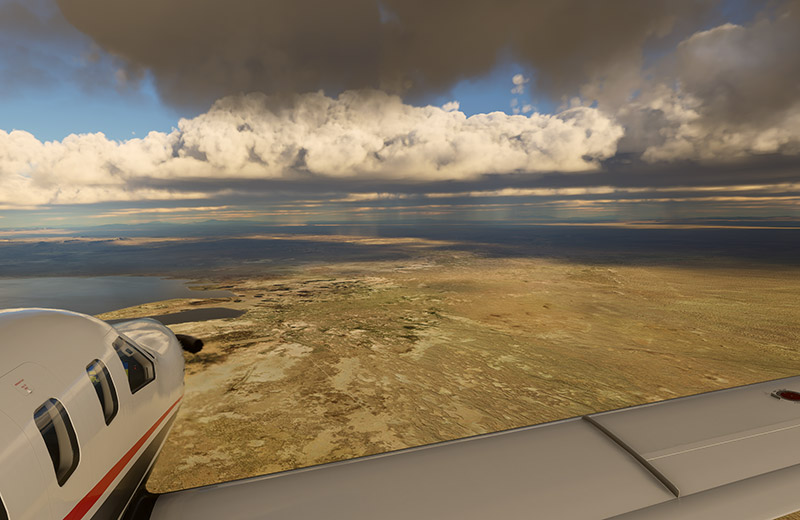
(95, 295)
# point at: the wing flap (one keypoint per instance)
(706, 441)
(768, 496)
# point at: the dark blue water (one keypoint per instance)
(94, 295)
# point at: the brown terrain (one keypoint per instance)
(334, 361)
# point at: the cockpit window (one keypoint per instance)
(101, 380)
(138, 366)
(59, 436)
(3, 512)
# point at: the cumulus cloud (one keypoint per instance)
(451, 106)
(80, 169)
(725, 93)
(359, 135)
(677, 126)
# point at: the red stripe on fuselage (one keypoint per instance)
(97, 491)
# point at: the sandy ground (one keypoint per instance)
(336, 361)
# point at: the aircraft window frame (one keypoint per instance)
(104, 387)
(58, 434)
(139, 367)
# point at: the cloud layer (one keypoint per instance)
(201, 50)
(705, 94)
(366, 134)
(718, 93)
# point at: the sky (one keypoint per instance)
(397, 111)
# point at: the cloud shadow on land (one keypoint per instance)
(243, 255)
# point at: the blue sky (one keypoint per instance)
(54, 82)
(53, 112)
(492, 92)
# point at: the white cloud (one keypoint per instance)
(726, 93)
(369, 135)
(80, 169)
(688, 134)
(375, 135)
(451, 106)
(519, 82)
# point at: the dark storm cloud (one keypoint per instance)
(35, 20)
(200, 50)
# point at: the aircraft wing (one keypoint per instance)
(732, 454)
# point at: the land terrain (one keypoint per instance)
(365, 339)
(334, 360)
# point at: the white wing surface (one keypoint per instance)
(732, 454)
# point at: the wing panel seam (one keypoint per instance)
(720, 443)
(644, 462)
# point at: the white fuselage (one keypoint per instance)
(44, 355)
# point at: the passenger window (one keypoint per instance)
(59, 436)
(138, 367)
(101, 380)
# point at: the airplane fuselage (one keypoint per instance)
(85, 410)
